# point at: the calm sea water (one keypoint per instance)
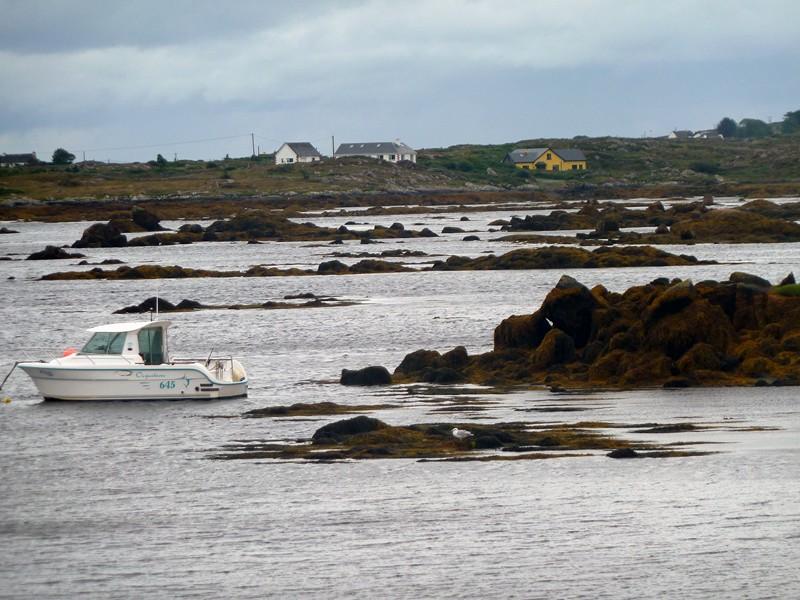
(120, 500)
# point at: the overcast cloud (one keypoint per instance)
(101, 75)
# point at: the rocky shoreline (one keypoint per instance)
(535, 258)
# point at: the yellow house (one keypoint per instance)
(547, 159)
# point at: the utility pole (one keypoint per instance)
(333, 147)
(175, 157)
(84, 156)
(253, 140)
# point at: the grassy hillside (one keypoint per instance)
(637, 161)
(623, 162)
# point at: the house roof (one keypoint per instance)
(570, 153)
(525, 155)
(522, 155)
(18, 158)
(359, 149)
(303, 148)
(683, 133)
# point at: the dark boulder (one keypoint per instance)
(788, 280)
(607, 226)
(450, 229)
(332, 266)
(556, 348)
(101, 235)
(53, 253)
(397, 227)
(750, 280)
(374, 375)
(188, 304)
(147, 306)
(6, 230)
(418, 361)
(145, 219)
(471, 238)
(521, 331)
(623, 453)
(339, 431)
(191, 228)
(457, 357)
(427, 233)
(569, 307)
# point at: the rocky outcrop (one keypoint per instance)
(736, 332)
(145, 219)
(367, 376)
(554, 257)
(101, 235)
(54, 253)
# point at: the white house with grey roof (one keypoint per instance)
(388, 151)
(294, 152)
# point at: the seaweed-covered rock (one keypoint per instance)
(54, 253)
(569, 307)
(660, 334)
(374, 375)
(556, 348)
(101, 235)
(521, 331)
(332, 266)
(340, 430)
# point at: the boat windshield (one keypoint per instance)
(151, 345)
(105, 343)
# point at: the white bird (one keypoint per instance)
(461, 434)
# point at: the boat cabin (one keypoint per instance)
(142, 342)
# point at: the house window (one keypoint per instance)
(549, 156)
(541, 166)
(574, 167)
(392, 157)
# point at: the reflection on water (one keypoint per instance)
(118, 499)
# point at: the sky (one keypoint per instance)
(124, 81)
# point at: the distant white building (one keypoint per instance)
(681, 134)
(294, 152)
(707, 134)
(388, 151)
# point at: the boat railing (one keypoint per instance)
(183, 360)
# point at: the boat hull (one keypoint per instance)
(162, 382)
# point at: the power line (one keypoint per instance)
(216, 139)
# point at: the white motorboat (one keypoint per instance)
(130, 361)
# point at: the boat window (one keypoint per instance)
(104, 343)
(151, 345)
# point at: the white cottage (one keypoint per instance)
(388, 151)
(294, 152)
